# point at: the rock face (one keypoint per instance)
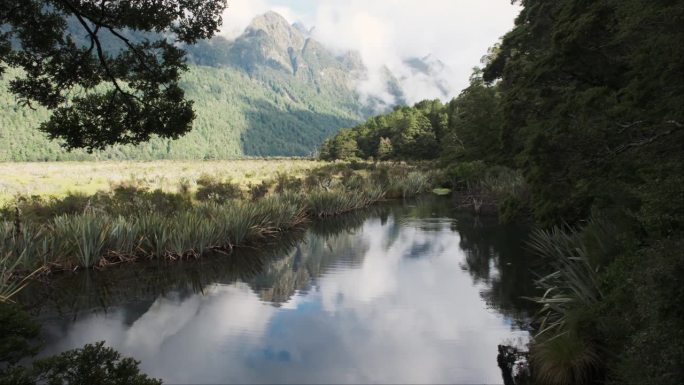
(271, 43)
(284, 56)
(275, 51)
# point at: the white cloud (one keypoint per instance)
(382, 313)
(458, 32)
(239, 14)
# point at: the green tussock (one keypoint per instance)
(133, 222)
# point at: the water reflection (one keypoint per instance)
(402, 294)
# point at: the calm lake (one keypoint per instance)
(402, 293)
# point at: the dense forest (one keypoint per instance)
(236, 113)
(586, 100)
(245, 103)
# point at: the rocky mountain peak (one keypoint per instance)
(271, 41)
(275, 31)
(270, 22)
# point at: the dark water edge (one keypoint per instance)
(350, 299)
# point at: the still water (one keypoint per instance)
(412, 293)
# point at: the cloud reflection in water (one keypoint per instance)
(393, 306)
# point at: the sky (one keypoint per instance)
(457, 32)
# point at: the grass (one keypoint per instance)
(97, 240)
(131, 222)
(59, 179)
(17, 247)
(325, 203)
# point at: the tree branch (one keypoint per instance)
(100, 52)
(649, 140)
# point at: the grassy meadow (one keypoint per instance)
(59, 179)
(65, 216)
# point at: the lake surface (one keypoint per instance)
(411, 293)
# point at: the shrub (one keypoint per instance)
(18, 334)
(285, 182)
(258, 191)
(217, 191)
(466, 174)
(91, 364)
(511, 208)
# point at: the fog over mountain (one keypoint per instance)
(271, 40)
(390, 34)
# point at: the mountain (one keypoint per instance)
(272, 91)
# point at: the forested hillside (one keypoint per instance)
(586, 101)
(467, 128)
(272, 91)
(236, 115)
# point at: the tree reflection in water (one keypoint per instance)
(389, 279)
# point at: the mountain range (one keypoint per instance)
(272, 91)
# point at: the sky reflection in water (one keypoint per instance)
(391, 301)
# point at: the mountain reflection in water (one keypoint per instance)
(413, 293)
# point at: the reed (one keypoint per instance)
(156, 234)
(324, 203)
(413, 184)
(572, 284)
(87, 236)
(118, 228)
(26, 244)
(17, 245)
(562, 353)
(125, 236)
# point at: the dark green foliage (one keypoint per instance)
(468, 128)
(594, 90)
(642, 314)
(405, 133)
(18, 334)
(465, 174)
(591, 107)
(92, 364)
(512, 208)
(474, 125)
(210, 189)
(237, 115)
(101, 96)
(342, 146)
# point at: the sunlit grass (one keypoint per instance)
(58, 179)
(133, 222)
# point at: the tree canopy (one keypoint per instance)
(467, 128)
(592, 91)
(114, 80)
